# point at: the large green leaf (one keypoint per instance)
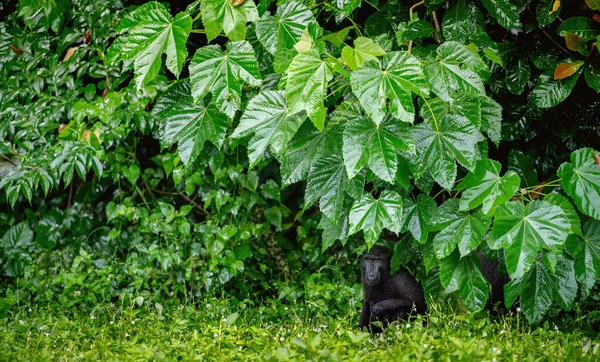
(441, 142)
(549, 92)
(518, 74)
(307, 78)
(267, 117)
(327, 182)
(372, 215)
(394, 79)
(223, 73)
(307, 146)
(364, 49)
(581, 26)
(284, 29)
(586, 252)
(222, 15)
(568, 209)
(150, 31)
(376, 145)
(464, 274)
(539, 287)
(417, 217)
(526, 230)
(484, 186)
(505, 12)
(188, 124)
(463, 22)
(457, 228)
(332, 232)
(456, 70)
(415, 29)
(16, 244)
(580, 179)
(484, 112)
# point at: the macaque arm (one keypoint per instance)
(392, 304)
(365, 315)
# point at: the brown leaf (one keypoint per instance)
(62, 127)
(86, 36)
(86, 134)
(597, 17)
(69, 54)
(597, 159)
(576, 43)
(555, 6)
(16, 50)
(566, 70)
(236, 2)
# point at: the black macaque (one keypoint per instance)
(489, 269)
(387, 297)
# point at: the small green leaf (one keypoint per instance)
(372, 215)
(267, 117)
(223, 74)
(364, 49)
(222, 15)
(484, 186)
(525, 230)
(580, 179)
(592, 76)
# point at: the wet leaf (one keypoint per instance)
(526, 230)
(566, 70)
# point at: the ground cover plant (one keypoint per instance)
(157, 153)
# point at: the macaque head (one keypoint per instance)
(375, 265)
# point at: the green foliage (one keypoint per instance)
(141, 329)
(448, 138)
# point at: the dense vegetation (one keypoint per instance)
(156, 154)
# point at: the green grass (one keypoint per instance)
(216, 330)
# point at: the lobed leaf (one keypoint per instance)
(223, 74)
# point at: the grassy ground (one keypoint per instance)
(217, 331)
